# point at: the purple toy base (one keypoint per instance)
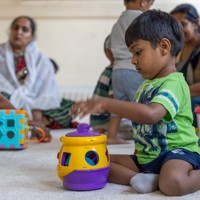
(12, 147)
(86, 179)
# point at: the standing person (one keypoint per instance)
(167, 155)
(101, 121)
(103, 88)
(125, 78)
(188, 60)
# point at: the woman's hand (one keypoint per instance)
(36, 135)
(5, 103)
(195, 89)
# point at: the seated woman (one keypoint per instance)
(27, 77)
(188, 60)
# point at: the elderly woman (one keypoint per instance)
(27, 76)
(188, 60)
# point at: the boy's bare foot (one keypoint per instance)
(116, 141)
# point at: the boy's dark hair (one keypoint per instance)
(187, 9)
(152, 26)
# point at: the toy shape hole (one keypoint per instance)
(1, 134)
(65, 159)
(92, 158)
(10, 123)
(107, 155)
(10, 134)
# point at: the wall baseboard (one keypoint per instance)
(76, 93)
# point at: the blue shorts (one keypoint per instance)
(180, 154)
(125, 83)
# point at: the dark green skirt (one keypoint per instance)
(60, 116)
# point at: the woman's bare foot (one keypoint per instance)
(116, 141)
(37, 135)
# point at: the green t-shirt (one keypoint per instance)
(175, 130)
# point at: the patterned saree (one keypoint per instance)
(59, 117)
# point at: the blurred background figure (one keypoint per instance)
(102, 122)
(125, 78)
(188, 60)
(27, 77)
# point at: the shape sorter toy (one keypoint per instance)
(84, 161)
(13, 129)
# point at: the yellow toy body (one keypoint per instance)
(84, 160)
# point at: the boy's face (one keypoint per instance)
(149, 61)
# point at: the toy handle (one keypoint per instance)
(41, 131)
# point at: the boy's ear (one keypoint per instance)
(165, 46)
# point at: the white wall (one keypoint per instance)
(72, 32)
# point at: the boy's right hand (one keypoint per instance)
(82, 108)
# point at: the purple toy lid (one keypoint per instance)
(83, 130)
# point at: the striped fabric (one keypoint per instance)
(59, 116)
(102, 89)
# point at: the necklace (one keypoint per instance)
(169, 71)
